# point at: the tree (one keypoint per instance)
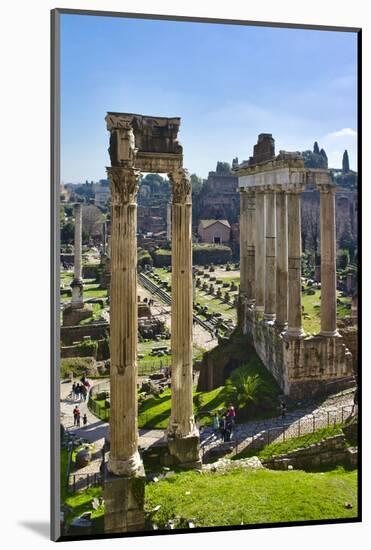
(196, 184)
(223, 168)
(68, 233)
(323, 154)
(243, 388)
(91, 221)
(345, 162)
(310, 225)
(315, 148)
(314, 160)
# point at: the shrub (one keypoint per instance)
(88, 348)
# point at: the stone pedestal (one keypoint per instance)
(182, 429)
(72, 316)
(124, 502)
(186, 450)
(295, 328)
(260, 251)
(270, 255)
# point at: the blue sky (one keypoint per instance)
(228, 84)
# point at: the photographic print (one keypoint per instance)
(206, 272)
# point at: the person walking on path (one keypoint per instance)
(84, 419)
(78, 419)
(216, 423)
(283, 408)
(73, 393)
(76, 413)
(231, 414)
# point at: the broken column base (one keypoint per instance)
(124, 502)
(185, 451)
(72, 315)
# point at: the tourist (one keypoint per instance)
(222, 426)
(216, 423)
(228, 428)
(85, 419)
(73, 390)
(355, 403)
(231, 414)
(78, 418)
(84, 392)
(76, 415)
(283, 408)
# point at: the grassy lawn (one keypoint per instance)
(312, 324)
(215, 305)
(97, 309)
(155, 411)
(77, 365)
(94, 291)
(253, 496)
(287, 446)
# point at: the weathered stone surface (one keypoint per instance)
(124, 503)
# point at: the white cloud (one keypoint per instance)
(344, 132)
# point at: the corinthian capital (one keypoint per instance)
(124, 187)
(181, 185)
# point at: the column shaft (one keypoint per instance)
(124, 457)
(294, 263)
(250, 246)
(270, 256)
(78, 244)
(282, 267)
(260, 251)
(182, 420)
(243, 244)
(328, 260)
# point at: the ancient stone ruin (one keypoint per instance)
(270, 309)
(149, 144)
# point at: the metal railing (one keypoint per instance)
(80, 482)
(308, 424)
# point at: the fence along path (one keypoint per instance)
(256, 435)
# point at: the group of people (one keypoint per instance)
(77, 417)
(79, 390)
(223, 423)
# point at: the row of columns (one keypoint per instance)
(270, 228)
(124, 457)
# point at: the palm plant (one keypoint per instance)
(243, 388)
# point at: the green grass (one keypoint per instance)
(77, 365)
(97, 310)
(312, 325)
(94, 291)
(81, 502)
(155, 411)
(215, 305)
(64, 465)
(291, 444)
(253, 496)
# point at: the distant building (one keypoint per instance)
(219, 198)
(214, 231)
(102, 193)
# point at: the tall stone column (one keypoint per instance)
(260, 250)
(77, 300)
(328, 259)
(250, 246)
(124, 482)
(183, 436)
(243, 244)
(270, 255)
(282, 262)
(295, 327)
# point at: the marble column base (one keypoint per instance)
(186, 450)
(72, 316)
(124, 502)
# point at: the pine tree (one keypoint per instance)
(316, 148)
(323, 154)
(345, 162)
